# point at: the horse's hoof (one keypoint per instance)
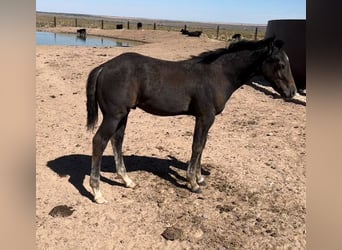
(100, 200)
(131, 185)
(98, 197)
(202, 183)
(196, 190)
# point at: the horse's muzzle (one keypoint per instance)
(290, 93)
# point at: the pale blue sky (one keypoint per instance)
(217, 11)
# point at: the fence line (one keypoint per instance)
(219, 32)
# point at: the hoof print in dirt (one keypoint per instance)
(225, 208)
(173, 233)
(183, 193)
(61, 211)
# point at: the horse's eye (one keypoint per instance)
(281, 66)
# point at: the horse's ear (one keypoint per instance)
(270, 44)
(270, 39)
(279, 43)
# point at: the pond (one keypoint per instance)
(51, 38)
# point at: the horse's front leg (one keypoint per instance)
(200, 179)
(194, 176)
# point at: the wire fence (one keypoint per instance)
(216, 31)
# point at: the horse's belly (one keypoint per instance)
(164, 108)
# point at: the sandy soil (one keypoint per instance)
(254, 163)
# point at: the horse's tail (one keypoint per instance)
(92, 105)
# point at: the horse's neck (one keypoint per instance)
(241, 66)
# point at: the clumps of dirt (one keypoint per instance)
(173, 233)
(61, 211)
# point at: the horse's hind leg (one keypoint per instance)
(100, 141)
(116, 141)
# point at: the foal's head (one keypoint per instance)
(276, 69)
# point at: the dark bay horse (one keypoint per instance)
(199, 86)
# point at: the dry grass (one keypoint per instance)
(226, 31)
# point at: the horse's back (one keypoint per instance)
(157, 86)
(127, 58)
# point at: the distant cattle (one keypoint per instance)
(184, 31)
(81, 32)
(139, 26)
(194, 33)
(119, 26)
(236, 37)
(191, 33)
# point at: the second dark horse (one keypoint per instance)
(200, 87)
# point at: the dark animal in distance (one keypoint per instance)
(119, 26)
(191, 33)
(236, 37)
(199, 87)
(139, 26)
(195, 33)
(184, 31)
(82, 32)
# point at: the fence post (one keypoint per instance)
(102, 24)
(256, 33)
(128, 25)
(154, 26)
(184, 26)
(75, 22)
(217, 32)
(54, 21)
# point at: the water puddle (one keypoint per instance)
(65, 39)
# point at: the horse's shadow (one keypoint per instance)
(258, 82)
(77, 166)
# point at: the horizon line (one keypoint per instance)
(159, 19)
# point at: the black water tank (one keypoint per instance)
(292, 32)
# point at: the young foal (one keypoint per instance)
(200, 87)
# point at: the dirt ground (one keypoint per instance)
(254, 163)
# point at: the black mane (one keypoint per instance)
(210, 56)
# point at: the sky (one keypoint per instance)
(215, 11)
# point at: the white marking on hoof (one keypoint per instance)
(98, 197)
(100, 200)
(195, 189)
(201, 180)
(130, 183)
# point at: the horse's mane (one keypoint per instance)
(210, 56)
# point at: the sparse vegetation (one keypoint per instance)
(226, 31)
